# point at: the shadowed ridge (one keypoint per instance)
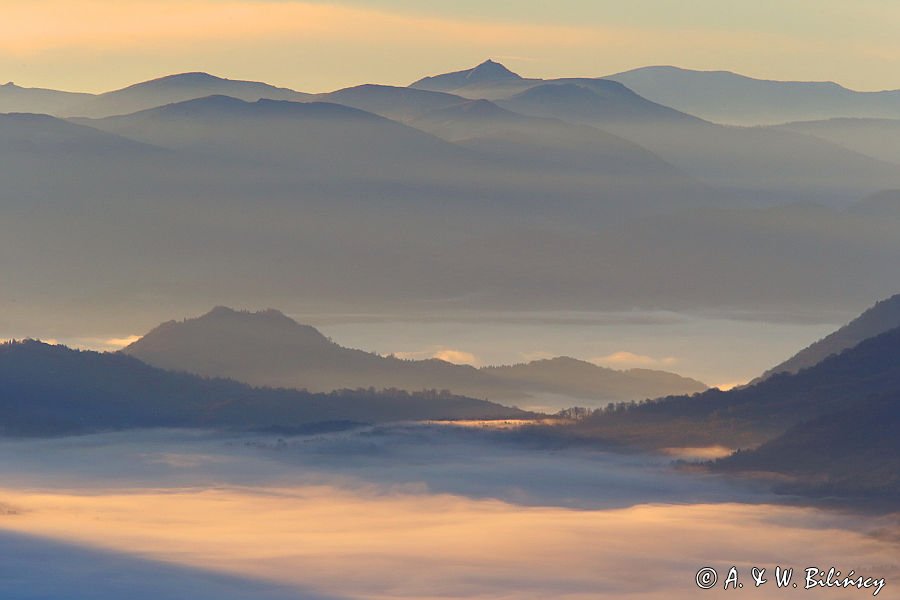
(883, 316)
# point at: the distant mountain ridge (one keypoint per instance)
(17, 99)
(730, 98)
(268, 348)
(743, 161)
(139, 96)
(878, 138)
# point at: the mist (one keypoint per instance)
(403, 511)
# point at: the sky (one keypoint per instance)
(319, 45)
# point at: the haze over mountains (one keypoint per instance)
(474, 190)
(824, 422)
(268, 348)
(878, 138)
(747, 416)
(730, 98)
(140, 96)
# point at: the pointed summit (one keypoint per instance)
(490, 71)
(487, 72)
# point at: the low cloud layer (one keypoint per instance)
(311, 514)
(626, 359)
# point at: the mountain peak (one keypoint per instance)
(490, 70)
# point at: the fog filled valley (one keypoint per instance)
(485, 336)
(410, 511)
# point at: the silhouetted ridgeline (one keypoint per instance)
(48, 389)
(748, 416)
(727, 97)
(882, 317)
(850, 453)
(269, 348)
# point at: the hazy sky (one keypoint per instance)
(316, 45)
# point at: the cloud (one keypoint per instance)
(625, 359)
(100, 44)
(405, 545)
(121, 342)
(458, 357)
(730, 384)
(32, 27)
(450, 355)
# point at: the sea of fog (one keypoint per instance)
(405, 511)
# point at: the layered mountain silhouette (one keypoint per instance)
(268, 348)
(398, 103)
(880, 205)
(18, 99)
(341, 145)
(726, 97)
(39, 134)
(748, 416)
(55, 390)
(599, 102)
(597, 199)
(780, 163)
(882, 317)
(140, 96)
(878, 138)
(312, 137)
(850, 454)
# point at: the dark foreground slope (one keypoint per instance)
(882, 317)
(850, 453)
(48, 389)
(758, 413)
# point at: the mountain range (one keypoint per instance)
(878, 138)
(53, 390)
(730, 98)
(140, 96)
(268, 348)
(556, 194)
